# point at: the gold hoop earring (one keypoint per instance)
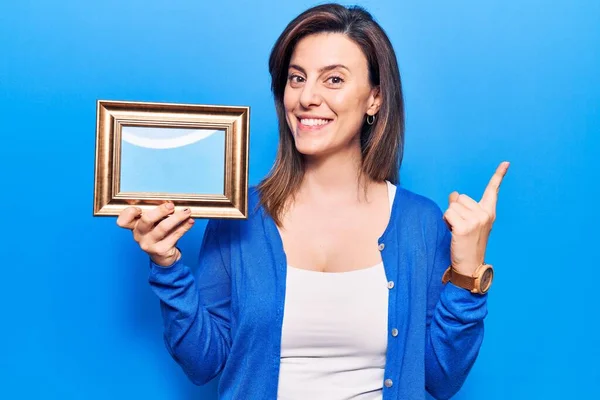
(370, 119)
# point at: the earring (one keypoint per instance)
(370, 119)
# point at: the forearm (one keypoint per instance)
(196, 340)
(454, 338)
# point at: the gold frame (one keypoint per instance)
(112, 115)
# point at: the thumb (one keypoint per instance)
(128, 217)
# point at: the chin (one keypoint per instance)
(310, 151)
(312, 146)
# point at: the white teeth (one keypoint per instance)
(313, 122)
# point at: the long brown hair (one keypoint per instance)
(381, 143)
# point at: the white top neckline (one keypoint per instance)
(391, 194)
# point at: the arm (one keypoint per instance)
(455, 316)
(454, 325)
(196, 312)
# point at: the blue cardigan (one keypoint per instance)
(227, 319)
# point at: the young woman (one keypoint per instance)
(340, 284)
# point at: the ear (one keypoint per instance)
(374, 101)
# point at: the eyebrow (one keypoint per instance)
(322, 69)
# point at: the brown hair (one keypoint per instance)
(381, 143)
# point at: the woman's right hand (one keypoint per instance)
(157, 230)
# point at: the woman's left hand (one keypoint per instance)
(471, 223)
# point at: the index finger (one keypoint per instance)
(490, 195)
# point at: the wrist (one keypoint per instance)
(166, 261)
(467, 269)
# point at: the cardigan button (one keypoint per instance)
(388, 383)
(394, 332)
(381, 246)
(390, 285)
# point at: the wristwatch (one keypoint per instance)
(479, 283)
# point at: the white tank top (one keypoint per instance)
(334, 334)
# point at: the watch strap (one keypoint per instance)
(463, 281)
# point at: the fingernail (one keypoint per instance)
(170, 206)
(190, 221)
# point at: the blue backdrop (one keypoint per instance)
(484, 82)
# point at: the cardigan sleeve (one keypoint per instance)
(454, 325)
(196, 309)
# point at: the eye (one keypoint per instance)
(335, 80)
(295, 79)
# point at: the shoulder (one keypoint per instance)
(417, 205)
(417, 214)
(419, 220)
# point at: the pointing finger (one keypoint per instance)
(490, 195)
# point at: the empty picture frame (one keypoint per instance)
(193, 155)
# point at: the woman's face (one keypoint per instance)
(328, 95)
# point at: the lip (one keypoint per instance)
(301, 116)
(312, 127)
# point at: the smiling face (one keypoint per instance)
(328, 94)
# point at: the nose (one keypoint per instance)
(310, 96)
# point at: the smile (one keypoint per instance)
(313, 123)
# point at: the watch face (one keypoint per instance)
(486, 279)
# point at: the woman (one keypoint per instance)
(332, 288)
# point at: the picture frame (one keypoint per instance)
(195, 155)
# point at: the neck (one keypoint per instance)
(334, 176)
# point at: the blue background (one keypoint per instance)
(484, 82)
